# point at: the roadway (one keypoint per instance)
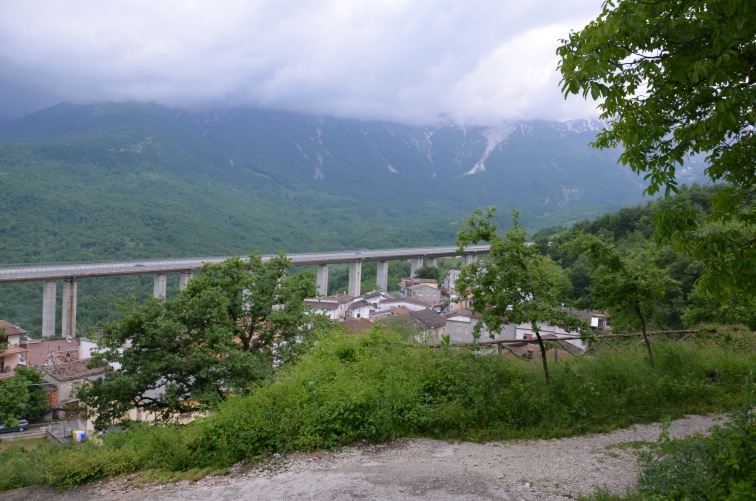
(37, 273)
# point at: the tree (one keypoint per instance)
(512, 283)
(677, 78)
(428, 272)
(624, 283)
(219, 335)
(21, 396)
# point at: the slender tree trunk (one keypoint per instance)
(645, 336)
(543, 351)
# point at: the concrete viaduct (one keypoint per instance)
(69, 273)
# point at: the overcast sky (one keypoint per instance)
(413, 61)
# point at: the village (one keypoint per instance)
(424, 311)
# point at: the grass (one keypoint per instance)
(27, 444)
(375, 387)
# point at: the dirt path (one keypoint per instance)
(417, 469)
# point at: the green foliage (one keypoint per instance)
(131, 181)
(721, 466)
(348, 389)
(625, 282)
(631, 228)
(219, 335)
(675, 80)
(512, 283)
(430, 272)
(21, 396)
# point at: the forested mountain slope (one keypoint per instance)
(126, 181)
(121, 181)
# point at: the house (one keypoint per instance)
(68, 377)
(51, 351)
(15, 354)
(375, 297)
(432, 325)
(449, 294)
(448, 284)
(407, 282)
(359, 309)
(425, 293)
(461, 322)
(388, 306)
(334, 307)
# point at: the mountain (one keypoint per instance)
(132, 180)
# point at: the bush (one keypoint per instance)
(375, 387)
(721, 466)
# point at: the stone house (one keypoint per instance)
(424, 293)
(68, 377)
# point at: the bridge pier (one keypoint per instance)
(431, 261)
(322, 280)
(158, 288)
(355, 278)
(69, 308)
(468, 259)
(382, 276)
(184, 278)
(49, 293)
(415, 263)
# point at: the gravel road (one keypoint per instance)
(418, 469)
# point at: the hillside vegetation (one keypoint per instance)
(376, 387)
(137, 181)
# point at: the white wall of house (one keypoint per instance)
(362, 311)
(85, 348)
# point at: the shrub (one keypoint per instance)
(721, 466)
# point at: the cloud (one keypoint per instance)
(479, 61)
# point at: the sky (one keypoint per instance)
(475, 62)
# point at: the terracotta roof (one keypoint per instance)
(72, 370)
(10, 329)
(357, 325)
(13, 350)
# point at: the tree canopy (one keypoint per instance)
(222, 334)
(629, 281)
(21, 396)
(675, 79)
(513, 283)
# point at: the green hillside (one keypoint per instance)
(134, 181)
